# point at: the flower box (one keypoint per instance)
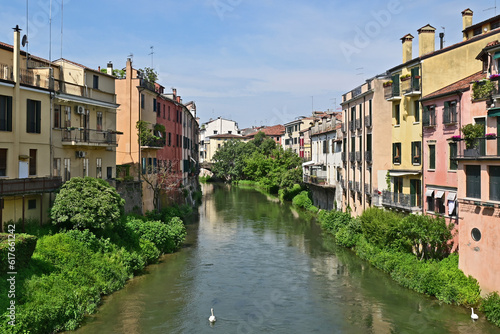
(456, 138)
(490, 136)
(387, 84)
(494, 77)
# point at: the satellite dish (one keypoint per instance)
(25, 40)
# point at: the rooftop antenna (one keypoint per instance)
(62, 16)
(359, 69)
(50, 32)
(151, 54)
(25, 37)
(312, 103)
(131, 56)
(495, 8)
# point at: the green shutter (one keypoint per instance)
(432, 156)
(473, 181)
(453, 154)
(494, 183)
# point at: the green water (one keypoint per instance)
(265, 268)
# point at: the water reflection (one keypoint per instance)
(266, 268)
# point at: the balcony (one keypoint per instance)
(368, 189)
(411, 86)
(358, 124)
(358, 156)
(88, 137)
(344, 156)
(11, 187)
(483, 149)
(317, 177)
(324, 127)
(6, 72)
(357, 187)
(351, 186)
(343, 127)
(352, 125)
(368, 121)
(368, 156)
(352, 156)
(406, 202)
(69, 88)
(391, 93)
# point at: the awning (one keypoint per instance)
(439, 194)
(309, 163)
(429, 193)
(403, 173)
(494, 112)
(451, 196)
(496, 55)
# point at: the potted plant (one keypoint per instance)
(456, 138)
(405, 77)
(490, 136)
(494, 77)
(471, 134)
(387, 83)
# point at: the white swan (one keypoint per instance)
(473, 315)
(212, 317)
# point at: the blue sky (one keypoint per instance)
(256, 62)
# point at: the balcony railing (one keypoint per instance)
(392, 92)
(368, 121)
(343, 127)
(10, 187)
(358, 156)
(358, 124)
(483, 148)
(36, 77)
(83, 91)
(343, 155)
(351, 185)
(329, 126)
(407, 202)
(411, 86)
(357, 186)
(352, 156)
(368, 189)
(6, 72)
(368, 156)
(352, 125)
(88, 136)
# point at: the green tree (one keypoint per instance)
(229, 160)
(87, 203)
(150, 74)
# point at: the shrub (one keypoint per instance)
(333, 221)
(491, 307)
(349, 234)
(24, 246)
(380, 227)
(302, 200)
(166, 237)
(86, 203)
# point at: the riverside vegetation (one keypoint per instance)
(90, 250)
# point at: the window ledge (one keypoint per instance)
(397, 125)
(431, 170)
(452, 171)
(415, 123)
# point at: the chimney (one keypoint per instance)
(467, 18)
(17, 53)
(441, 40)
(128, 68)
(407, 47)
(174, 92)
(426, 40)
(109, 70)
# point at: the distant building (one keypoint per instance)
(217, 126)
(213, 143)
(274, 132)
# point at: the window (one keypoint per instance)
(325, 146)
(494, 25)
(144, 165)
(473, 181)
(163, 111)
(154, 105)
(154, 165)
(169, 113)
(85, 167)
(158, 109)
(99, 121)
(453, 155)
(3, 162)
(430, 200)
(416, 111)
(295, 141)
(56, 167)
(67, 116)
(416, 152)
(32, 163)
(477, 31)
(169, 139)
(98, 173)
(450, 112)
(96, 82)
(33, 116)
(67, 169)
(494, 172)
(215, 132)
(109, 172)
(5, 113)
(397, 114)
(440, 208)
(31, 204)
(396, 153)
(432, 156)
(229, 132)
(57, 116)
(429, 116)
(178, 141)
(142, 101)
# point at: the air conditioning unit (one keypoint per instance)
(80, 154)
(80, 110)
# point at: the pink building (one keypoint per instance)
(443, 115)
(479, 179)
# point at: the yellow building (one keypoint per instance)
(217, 141)
(25, 148)
(415, 77)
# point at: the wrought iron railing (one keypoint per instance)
(368, 121)
(368, 156)
(407, 202)
(10, 187)
(81, 135)
(391, 91)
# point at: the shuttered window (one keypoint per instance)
(494, 183)
(5, 113)
(33, 116)
(3, 162)
(453, 154)
(473, 181)
(432, 156)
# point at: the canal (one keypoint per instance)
(266, 268)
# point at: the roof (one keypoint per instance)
(275, 130)
(459, 86)
(82, 66)
(11, 47)
(226, 136)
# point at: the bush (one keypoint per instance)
(287, 194)
(86, 203)
(333, 221)
(302, 200)
(380, 227)
(22, 246)
(491, 307)
(166, 237)
(348, 235)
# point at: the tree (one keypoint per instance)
(150, 74)
(86, 203)
(229, 160)
(164, 178)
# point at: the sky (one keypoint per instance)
(257, 62)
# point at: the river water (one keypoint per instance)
(266, 268)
